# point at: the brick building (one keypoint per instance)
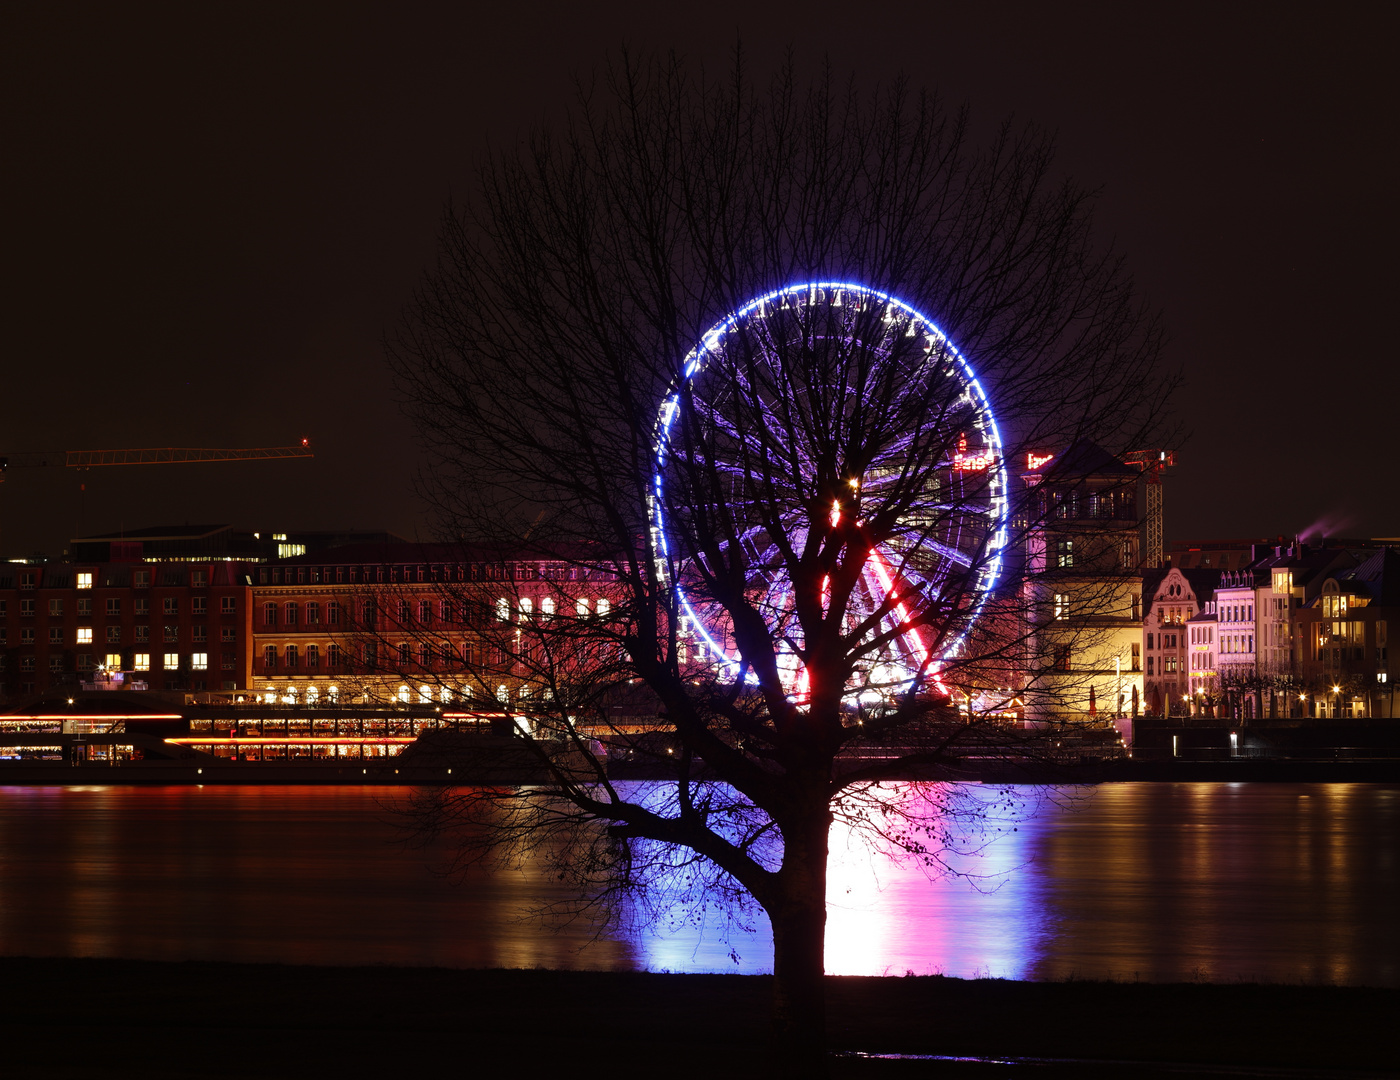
(413, 623)
(167, 625)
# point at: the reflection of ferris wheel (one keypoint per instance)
(834, 395)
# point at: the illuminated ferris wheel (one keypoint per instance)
(815, 402)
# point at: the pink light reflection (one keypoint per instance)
(886, 917)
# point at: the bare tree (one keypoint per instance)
(680, 342)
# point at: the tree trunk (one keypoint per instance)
(799, 953)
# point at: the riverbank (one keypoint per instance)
(117, 1018)
(1126, 770)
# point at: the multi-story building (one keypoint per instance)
(1342, 640)
(1202, 645)
(1083, 592)
(164, 608)
(1174, 598)
(1258, 607)
(413, 623)
(165, 625)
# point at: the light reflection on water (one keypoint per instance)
(1159, 882)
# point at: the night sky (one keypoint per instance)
(213, 213)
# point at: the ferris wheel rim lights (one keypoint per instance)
(999, 509)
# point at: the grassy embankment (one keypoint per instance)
(117, 1018)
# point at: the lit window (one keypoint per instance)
(1062, 605)
(141, 661)
(1065, 553)
(547, 606)
(199, 661)
(603, 607)
(172, 661)
(403, 695)
(527, 607)
(581, 607)
(84, 635)
(85, 579)
(503, 610)
(113, 661)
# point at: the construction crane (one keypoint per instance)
(1151, 463)
(166, 455)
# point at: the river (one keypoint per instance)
(1158, 882)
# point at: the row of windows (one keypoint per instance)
(291, 657)
(427, 572)
(311, 611)
(140, 579)
(425, 654)
(170, 605)
(112, 635)
(294, 613)
(141, 661)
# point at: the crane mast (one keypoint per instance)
(1151, 463)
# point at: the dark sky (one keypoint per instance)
(214, 212)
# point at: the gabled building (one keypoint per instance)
(1174, 598)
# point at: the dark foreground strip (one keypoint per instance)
(1123, 1067)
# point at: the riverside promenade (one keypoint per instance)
(118, 1018)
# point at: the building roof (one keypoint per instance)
(156, 532)
(1084, 459)
(404, 552)
(1378, 575)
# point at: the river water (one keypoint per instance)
(1158, 882)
